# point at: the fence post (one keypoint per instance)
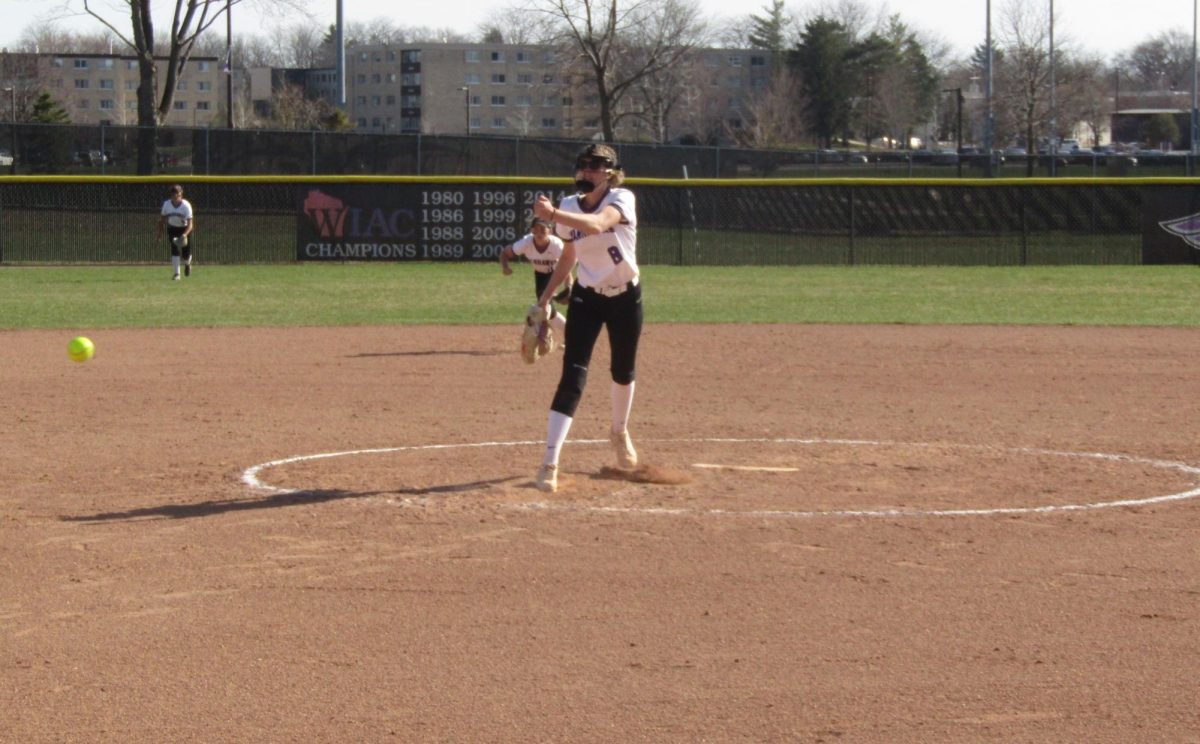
(313, 134)
(418, 153)
(103, 151)
(207, 148)
(850, 255)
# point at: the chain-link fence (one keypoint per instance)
(765, 222)
(108, 150)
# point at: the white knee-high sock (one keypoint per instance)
(622, 404)
(557, 426)
(175, 263)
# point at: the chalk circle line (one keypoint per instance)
(250, 477)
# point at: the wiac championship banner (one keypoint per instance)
(417, 222)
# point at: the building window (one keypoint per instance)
(203, 66)
(548, 58)
(106, 85)
(360, 78)
(131, 85)
(498, 78)
(107, 103)
(735, 60)
(203, 85)
(591, 123)
(474, 122)
(476, 101)
(523, 100)
(391, 55)
(81, 83)
(362, 122)
(497, 56)
(132, 64)
(180, 106)
(106, 64)
(497, 100)
(551, 101)
(375, 123)
(83, 103)
(391, 100)
(361, 100)
(376, 78)
(202, 105)
(362, 56)
(391, 78)
(410, 101)
(376, 101)
(410, 55)
(525, 78)
(410, 78)
(471, 55)
(549, 123)
(58, 62)
(547, 78)
(471, 78)
(498, 122)
(758, 61)
(524, 57)
(182, 85)
(81, 64)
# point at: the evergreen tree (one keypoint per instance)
(48, 147)
(767, 32)
(820, 62)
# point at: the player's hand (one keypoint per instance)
(543, 208)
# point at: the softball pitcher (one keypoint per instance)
(600, 227)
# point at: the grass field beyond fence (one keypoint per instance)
(374, 294)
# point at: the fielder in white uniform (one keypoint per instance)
(600, 227)
(177, 218)
(542, 250)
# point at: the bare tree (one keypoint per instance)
(773, 119)
(189, 20)
(618, 47)
(519, 26)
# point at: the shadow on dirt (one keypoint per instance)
(276, 500)
(439, 352)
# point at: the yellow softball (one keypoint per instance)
(81, 349)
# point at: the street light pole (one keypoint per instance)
(12, 128)
(988, 124)
(467, 108)
(467, 121)
(1195, 111)
(228, 65)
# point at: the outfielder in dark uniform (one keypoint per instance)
(599, 227)
(542, 250)
(177, 218)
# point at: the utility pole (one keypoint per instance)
(958, 100)
(228, 65)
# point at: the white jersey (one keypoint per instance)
(543, 261)
(177, 216)
(610, 258)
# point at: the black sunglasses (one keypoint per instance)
(595, 163)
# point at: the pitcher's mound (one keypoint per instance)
(647, 473)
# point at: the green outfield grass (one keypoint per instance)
(360, 294)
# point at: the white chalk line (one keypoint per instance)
(250, 477)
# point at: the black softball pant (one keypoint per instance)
(589, 312)
(172, 233)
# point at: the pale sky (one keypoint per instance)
(1103, 26)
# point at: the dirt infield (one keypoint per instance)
(882, 534)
